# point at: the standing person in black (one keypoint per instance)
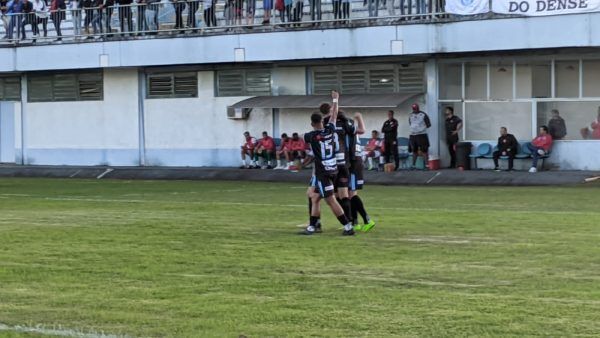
(30, 19)
(390, 139)
(88, 8)
(453, 126)
(125, 15)
(507, 146)
(192, 9)
(57, 14)
(179, 6)
(108, 6)
(556, 126)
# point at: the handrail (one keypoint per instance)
(210, 17)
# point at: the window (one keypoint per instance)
(591, 78)
(10, 88)
(244, 82)
(576, 115)
(73, 86)
(475, 81)
(501, 80)
(484, 119)
(369, 79)
(567, 78)
(172, 85)
(450, 81)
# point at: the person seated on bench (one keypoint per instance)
(284, 152)
(265, 149)
(373, 149)
(507, 146)
(540, 146)
(298, 148)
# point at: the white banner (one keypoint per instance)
(544, 7)
(467, 7)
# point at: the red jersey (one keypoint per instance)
(543, 141)
(373, 144)
(286, 144)
(298, 145)
(268, 143)
(596, 130)
(250, 143)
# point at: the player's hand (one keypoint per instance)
(335, 95)
(357, 115)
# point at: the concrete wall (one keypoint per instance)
(87, 132)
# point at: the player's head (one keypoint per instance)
(449, 111)
(503, 131)
(543, 130)
(325, 108)
(265, 134)
(247, 134)
(375, 134)
(415, 108)
(284, 136)
(316, 120)
(555, 113)
(295, 136)
(390, 114)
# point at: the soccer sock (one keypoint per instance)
(309, 207)
(314, 221)
(358, 206)
(370, 162)
(345, 203)
(343, 219)
(354, 212)
(268, 156)
(255, 157)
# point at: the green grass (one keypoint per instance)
(221, 259)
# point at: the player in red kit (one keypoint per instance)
(265, 149)
(248, 151)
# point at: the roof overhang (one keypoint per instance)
(384, 101)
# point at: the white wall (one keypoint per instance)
(87, 132)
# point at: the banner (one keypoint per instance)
(467, 7)
(544, 7)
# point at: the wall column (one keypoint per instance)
(431, 107)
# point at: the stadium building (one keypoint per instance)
(185, 99)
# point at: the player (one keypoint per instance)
(323, 142)
(373, 149)
(265, 149)
(284, 150)
(298, 147)
(248, 150)
(356, 177)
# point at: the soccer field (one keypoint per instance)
(223, 259)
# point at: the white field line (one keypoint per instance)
(201, 203)
(56, 331)
(107, 171)
(433, 178)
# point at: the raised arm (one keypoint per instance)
(360, 122)
(335, 96)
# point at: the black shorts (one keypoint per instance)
(343, 177)
(418, 142)
(356, 175)
(323, 183)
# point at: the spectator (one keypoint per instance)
(153, 7)
(41, 16)
(285, 10)
(507, 146)
(298, 148)
(557, 126)
(595, 133)
(88, 8)
(125, 16)
(267, 8)
(108, 6)
(248, 150)
(265, 149)
(421, 9)
(3, 15)
(210, 19)
(97, 18)
(298, 10)
(540, 146)
(345, 10)
(250, 12)
(453, 126)
(58, 14)
(179, 7)
(192, 9)
(315, 10)
(75, 7)
(29, 19)
(337, 9)
(284, 149)
(15, 10)
(390, 138)
(391, 9)
(142, 24)
(373, 149)
(373, 7)
(419, 122)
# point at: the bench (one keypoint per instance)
(485, 150)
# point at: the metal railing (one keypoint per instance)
(29, 22)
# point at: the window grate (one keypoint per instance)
(10, 88)
(244, 82)
(172, 85)
(74, 86)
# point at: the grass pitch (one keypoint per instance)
(222, 259)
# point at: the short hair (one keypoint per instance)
(284, 135)
(451, 109)
(544, 128)
(265, 133)
(316, 118)
(247, 133)
(391, 111)
(554, 111)
(375, 131)
(294, 134)
(325, 108)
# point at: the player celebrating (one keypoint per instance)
(248, 150)
(356, 177)
(323, 143)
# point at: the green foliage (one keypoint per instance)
(222, 259)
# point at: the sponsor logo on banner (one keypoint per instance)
(467, 7)
(544, 7)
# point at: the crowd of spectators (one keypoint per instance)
(93, 17)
